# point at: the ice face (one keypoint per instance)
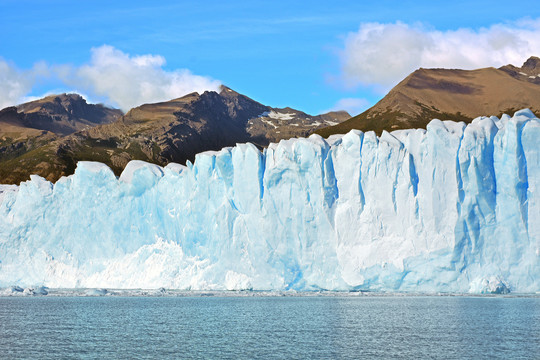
(453, 208)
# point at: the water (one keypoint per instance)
(270, 327)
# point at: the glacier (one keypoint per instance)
(453, 208)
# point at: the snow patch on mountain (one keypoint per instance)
(278, 115)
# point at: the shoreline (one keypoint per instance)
(162, 292)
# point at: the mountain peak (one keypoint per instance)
(340, 113)
(66, 96)
(227, 91)
(532, 64)
(529, 71)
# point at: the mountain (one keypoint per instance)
(64, 114)
(171, 131)
(51, 117)
(450, 94)
(454, 208)
(35, 123)
(27, 128)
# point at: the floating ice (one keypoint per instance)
(453, 208)
(39, 290)
(96, 292)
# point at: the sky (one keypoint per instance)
(313, 56)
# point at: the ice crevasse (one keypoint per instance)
(454, 208)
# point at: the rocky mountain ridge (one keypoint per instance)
(171, 131)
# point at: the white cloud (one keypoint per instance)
(128, 81)
(15, 83)
(383, 54)
(353, 106)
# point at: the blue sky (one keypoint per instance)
(313, 56)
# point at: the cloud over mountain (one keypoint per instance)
(124, 80)
(382, 54)
(16, 83)
(129, 81)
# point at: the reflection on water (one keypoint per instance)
(270, 327)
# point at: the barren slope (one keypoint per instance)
(451, 94)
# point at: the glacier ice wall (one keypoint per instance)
(453, 208)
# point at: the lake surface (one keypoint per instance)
(270, 327)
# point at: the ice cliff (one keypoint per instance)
(454, 208)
